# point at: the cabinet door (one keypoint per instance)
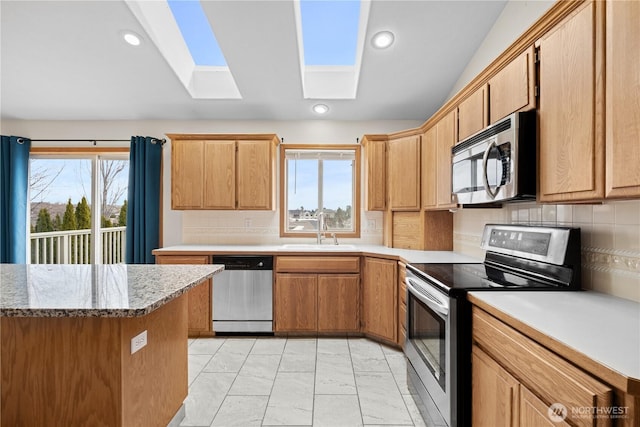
(571, 145)
(295, 302)
(429, 168)
(512, 88)
(535, 413)
(379, 298)
(220, 174)
(376, 175)
(338, 302)
(187, 168)
(623, 93)
(472, 113)
(255, 175)
(494, 393)
(200, 299)
(404, 173)
(446, 137)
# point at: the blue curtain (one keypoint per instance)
(14, 189)
(143, 210)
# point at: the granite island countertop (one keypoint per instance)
(109, 290)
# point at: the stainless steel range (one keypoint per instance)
(438, 343)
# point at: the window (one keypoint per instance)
(320, 179)
(78, 207)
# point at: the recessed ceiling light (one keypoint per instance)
(320, 109)
(382, 39)
(132, 38)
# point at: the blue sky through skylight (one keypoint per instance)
(330, 31)
(197, 32)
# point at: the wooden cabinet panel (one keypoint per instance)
(494, 393)
(549, 376)
(571, 146)
(429, 168)
(472, 113)
(623, 99)
(404, 173)
(222, 171)
(535, 413)
(295, 302)
(318, 264)
(512, 88)
(186, 174)
(219, 174)
(446, 137)
(379, 298)
(255, 176)
(376, 174)
(199, 299)
(338, 302)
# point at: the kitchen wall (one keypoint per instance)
(220, 227)
(610, 234)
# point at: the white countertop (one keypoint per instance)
(604, 328)
(407, 255)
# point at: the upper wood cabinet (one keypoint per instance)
(472, 113)
(513, 88)
(571, 142)
(437, 142)
(375, 151)
(404, 173)
(223, 171)
(622, 99)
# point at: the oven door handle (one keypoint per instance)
(433, 304)
(485, 177)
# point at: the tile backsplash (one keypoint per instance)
(610, 238)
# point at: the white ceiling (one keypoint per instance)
(65, 60)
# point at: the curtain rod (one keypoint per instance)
(153, 140)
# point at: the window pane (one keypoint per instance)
(114, 182)
(338, 194)
(60, 196)
(302, 195)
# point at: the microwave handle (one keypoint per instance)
(485, 178)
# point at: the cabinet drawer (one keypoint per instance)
(318, 264)
(543, 372)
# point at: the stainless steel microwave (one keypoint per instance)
(497, 164)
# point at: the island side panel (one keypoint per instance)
(155, 379)
(80, 371)
(60, 371)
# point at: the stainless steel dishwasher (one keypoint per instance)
(243, 294)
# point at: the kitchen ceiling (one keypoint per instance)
(66, 60)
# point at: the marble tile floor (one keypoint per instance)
(268, 381)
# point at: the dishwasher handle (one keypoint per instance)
(244, 262)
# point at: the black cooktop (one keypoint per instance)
(460, 278)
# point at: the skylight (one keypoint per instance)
(197, 32)
(330, 31)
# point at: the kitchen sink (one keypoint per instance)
(315, 247)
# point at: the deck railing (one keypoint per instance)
(74, 246)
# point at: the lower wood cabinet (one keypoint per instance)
(515, 381)
(317, 294)
(380, 298)
(200, 300)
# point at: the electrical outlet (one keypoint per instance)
(372, 224)
(138, 341)
(247, 223)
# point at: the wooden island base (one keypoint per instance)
(79, 371)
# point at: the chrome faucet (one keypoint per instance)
(321, 228)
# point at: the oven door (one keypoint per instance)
(428, 342)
